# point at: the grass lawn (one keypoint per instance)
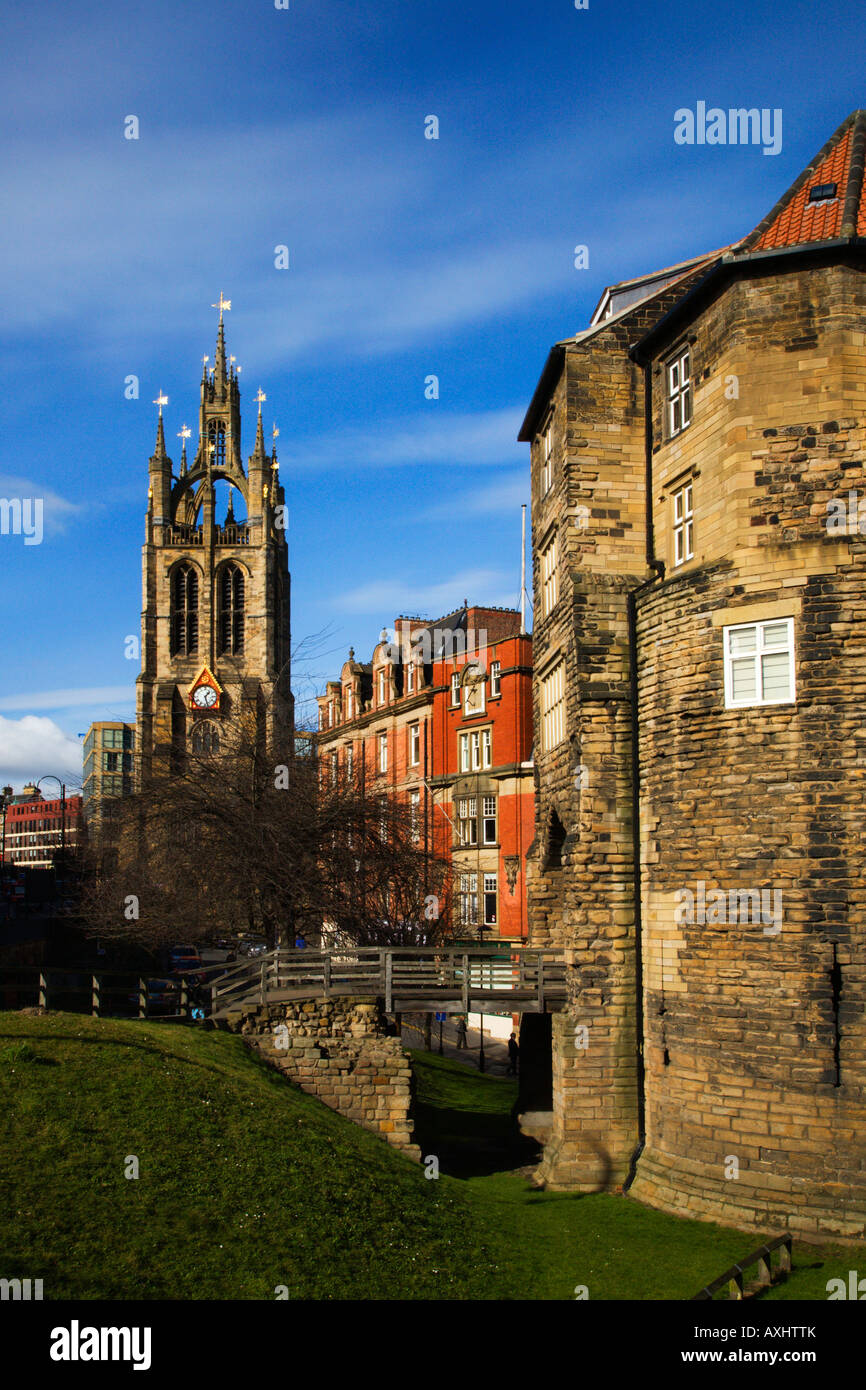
(246, 1184)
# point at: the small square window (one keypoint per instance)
(759, 664)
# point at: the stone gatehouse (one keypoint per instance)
(700, 700)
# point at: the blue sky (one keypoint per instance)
(408, 257)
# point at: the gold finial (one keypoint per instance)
(221, 305)
(275, 434)
(265, 492)
(261, 398)
(161, 400)
(184, 434)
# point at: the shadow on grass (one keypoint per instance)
(466, 1120)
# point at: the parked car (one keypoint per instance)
(163, 996)
(253, 946)
(185, 960)
(217, 955)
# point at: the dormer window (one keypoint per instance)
(410, 678)
(381, 687)
(822, 192)
(348, 702)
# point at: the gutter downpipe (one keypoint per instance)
(631, 603)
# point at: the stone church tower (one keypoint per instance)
(215, 632)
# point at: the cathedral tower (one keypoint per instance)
(215, 631)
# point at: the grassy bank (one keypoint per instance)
(246, 1183)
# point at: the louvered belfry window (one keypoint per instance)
(230, 611)
(184, 611)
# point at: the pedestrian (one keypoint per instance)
(513, 1054)
(300, 943)
(461, 1033)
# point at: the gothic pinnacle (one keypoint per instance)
(259, 450)
(159, 451)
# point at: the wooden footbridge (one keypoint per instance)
(479, 979)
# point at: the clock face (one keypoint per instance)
(204, 697)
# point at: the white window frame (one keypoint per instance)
(495, 679)
(455, 690)
(415, 814)
(469, 900)
(548, 577)
(381, 697)
(383, 752)
(761, 650)
(467, 821)
(553, 707)
(348, 702)
(414, 745)
(679, 392)
(491, 890)
(486, 747)
(350, 760)
(547, 456)
(410, 678)
(683, 524)
(488, 815)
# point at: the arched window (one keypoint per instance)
(230, 611)
(184, 610)
(205, 738)
(216, 436)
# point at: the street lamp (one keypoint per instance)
(5, 798)
(49, 777)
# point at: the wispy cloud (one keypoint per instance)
(429, 437)
(71, 699)
(505, 495)
(389, 597)
(77, 209)
(57, 511)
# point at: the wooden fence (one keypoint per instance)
(112, 993)
(735, 1276)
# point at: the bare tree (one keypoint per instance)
(242, 842)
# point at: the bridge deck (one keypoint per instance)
(404, 979)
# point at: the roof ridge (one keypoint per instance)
(857, 157)
(854, 118)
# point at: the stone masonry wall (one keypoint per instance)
(756, 1040)
(337, 1051)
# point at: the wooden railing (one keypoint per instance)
(114, 993)
(406, 979)
(735, 1276)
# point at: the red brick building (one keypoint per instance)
(442, 716)
(34, 829)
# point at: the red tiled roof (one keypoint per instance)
(794, 221)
